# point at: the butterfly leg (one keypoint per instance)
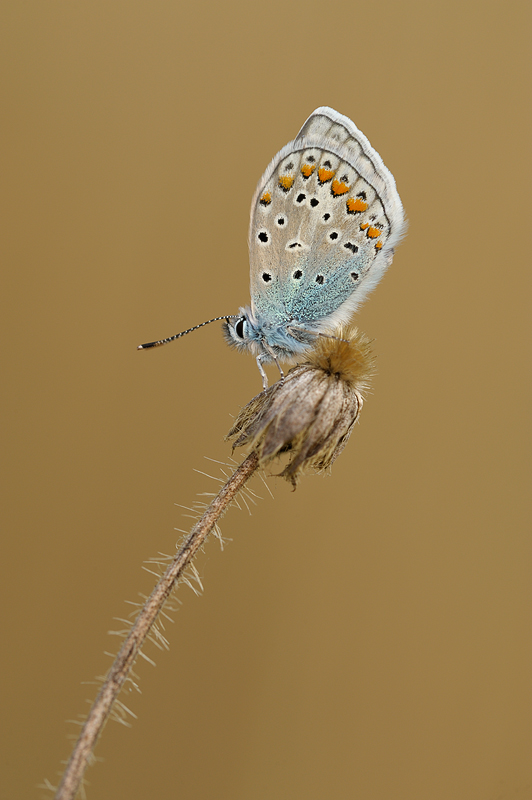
(261, 370)
(269, 353)
(279, 368)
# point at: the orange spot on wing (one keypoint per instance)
(266, 199)
(285, 182)
(373, 233)
(308, 169)
(364, 226)
(325, 175)
(339, 188)
(378, 245)
(355, 205)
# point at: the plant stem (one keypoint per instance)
(125, 659)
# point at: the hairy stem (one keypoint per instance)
(125, 659)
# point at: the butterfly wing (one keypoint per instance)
(324, 221)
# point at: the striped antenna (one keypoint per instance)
(183, 333)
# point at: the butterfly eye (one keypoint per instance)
(239, 327)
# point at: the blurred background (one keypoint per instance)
(367, 636)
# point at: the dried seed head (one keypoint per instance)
(310, 413)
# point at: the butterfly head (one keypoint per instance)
(242, 332)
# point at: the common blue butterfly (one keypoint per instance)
(325, 219)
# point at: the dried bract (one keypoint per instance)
(310, 414)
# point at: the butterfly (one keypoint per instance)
(325, 220)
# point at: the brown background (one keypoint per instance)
(369, 635)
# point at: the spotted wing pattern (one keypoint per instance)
(324, 220)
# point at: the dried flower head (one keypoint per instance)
(310, 413)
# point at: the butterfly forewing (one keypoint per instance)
(323, 221)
